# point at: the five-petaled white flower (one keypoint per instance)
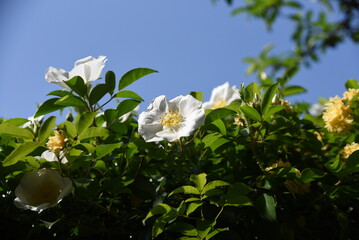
(39, 190)
(170, 120)
(51, 156)
(88, 68)
(222, 96)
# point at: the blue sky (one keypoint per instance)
(195, 46)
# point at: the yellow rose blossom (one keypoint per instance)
(57, 142)
(349, 149)
(337, 116)
(350, 94)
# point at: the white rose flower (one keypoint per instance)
(51, 156)
(88, 68)
(39, 190)
(222, 96)
(170, 120)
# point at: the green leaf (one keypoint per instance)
(85, 121)
(92, 132)
(46, 128)
(218, 114)
(192, 207)
(19, 153)
(214, 141)
(133, 75)
(268, 96)
(103, 150)
(214, 184)
(14, 131)
(220, 125)
(71, 101)
(204, 227)
(161, 208)
(215, 232)
(97, 93)
(77, 85)
(47, 107)
(334, 165)
(186, 190)
(200, 180)
(128, 94)
(59, 93)
(272, 110)
(352, 83)
(250, 91)
(251, 112)
(292, 90)
(184, 228)
(197, 95)
(310, 174)
(126, 106)
(16, 121)
(110, 80)
(353, 162)
(69, 128)
(265, 206)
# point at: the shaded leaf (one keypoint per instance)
(19, 153)
(133, 75)
(47, 107)
(46, 128)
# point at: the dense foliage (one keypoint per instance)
(248, 166)
(245, 165)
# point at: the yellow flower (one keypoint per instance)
(337, 116)
(57, 142)
(349, 149)
(280, 163)
(348, 95)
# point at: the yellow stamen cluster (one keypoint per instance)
(219, 103)
(349, 149)
(337, 116)
(171, 119)
(57, 142)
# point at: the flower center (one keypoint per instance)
(171, 118)
(219, 103)
(46, 193)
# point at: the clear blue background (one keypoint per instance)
(195, 46)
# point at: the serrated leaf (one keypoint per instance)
(251, 113)
(199, 180)
(110, 80)
(19, 153)
(46, 128)
(97, 93)
(59, 93)
(128, 94)
(161, 208)
(268, 96)
(310, 174)
(214, 141)
(133, 75)
(126, 106)
(47, 107)
(85, 121)
(218, 114)
(192, 207)
(292, 90)
(184, 228)
(353, 162)
(71, 101)
(77, 85)
(197, 95)
(14, 131)
(265, 206)
(103, 150)
(214, 184)
(92, 132)
(185, 190)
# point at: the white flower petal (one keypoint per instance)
(222, 96)
(57, 75)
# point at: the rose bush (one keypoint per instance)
(253, 166)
